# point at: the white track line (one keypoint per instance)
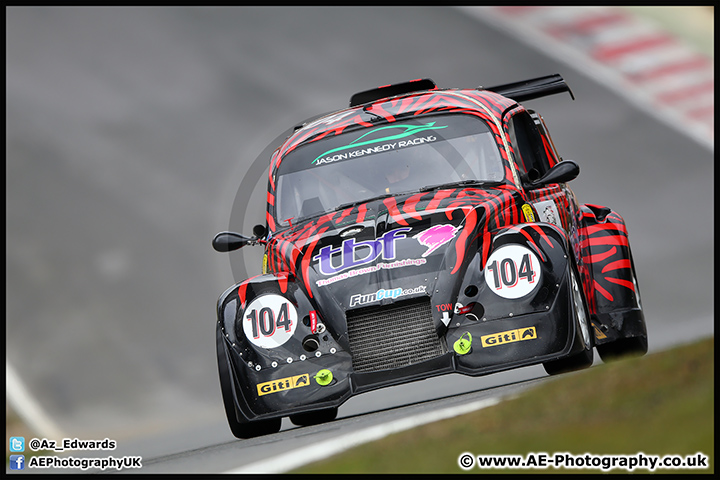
(27, 408)
(323, 450)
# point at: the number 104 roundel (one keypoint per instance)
(270, 321)
(513, 271)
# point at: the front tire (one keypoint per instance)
(631, 347)
(580, 361)
(314, 418)
(583, 359)
(239, 429)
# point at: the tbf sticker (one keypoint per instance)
(513, 271)
(269, 321)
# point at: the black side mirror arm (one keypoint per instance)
(562, 172)
(229, 241)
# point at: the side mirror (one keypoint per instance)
(562, 172)
(229, 241)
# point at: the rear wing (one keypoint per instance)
(532, 88)
(518, 91)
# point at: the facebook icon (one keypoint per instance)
(17, 462)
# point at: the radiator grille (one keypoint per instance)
(388, 337)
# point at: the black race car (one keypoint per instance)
(419, 232)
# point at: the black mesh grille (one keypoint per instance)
(387, 337)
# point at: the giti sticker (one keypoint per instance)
(269, 321)
(510, 336)
(283, 384)
(528, 211)
(513, 271)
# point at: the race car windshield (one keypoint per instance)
(389, 159)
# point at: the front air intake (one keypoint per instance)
(392, 336)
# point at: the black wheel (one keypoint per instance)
(239, 429)
(570, 364)
(314, 418)
(583, 359)
(631, 347)
(256, 428)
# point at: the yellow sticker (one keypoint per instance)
(264, 266)
(528, 211)
(283, 384)
(510, 336)
(598, 333)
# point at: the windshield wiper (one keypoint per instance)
(426, 188)
(365, 200)
(483, 183)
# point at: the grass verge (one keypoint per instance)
(660, 404)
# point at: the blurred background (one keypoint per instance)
(129, 131)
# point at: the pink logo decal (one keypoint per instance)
(435, 237)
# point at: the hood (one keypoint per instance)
(393, 248)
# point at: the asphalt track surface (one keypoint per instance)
(130, 129)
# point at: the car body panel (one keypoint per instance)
(470, 277)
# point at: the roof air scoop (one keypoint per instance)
(392, 90)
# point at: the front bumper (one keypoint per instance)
(495, 345)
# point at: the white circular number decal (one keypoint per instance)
(270, 321)
(513, 271)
